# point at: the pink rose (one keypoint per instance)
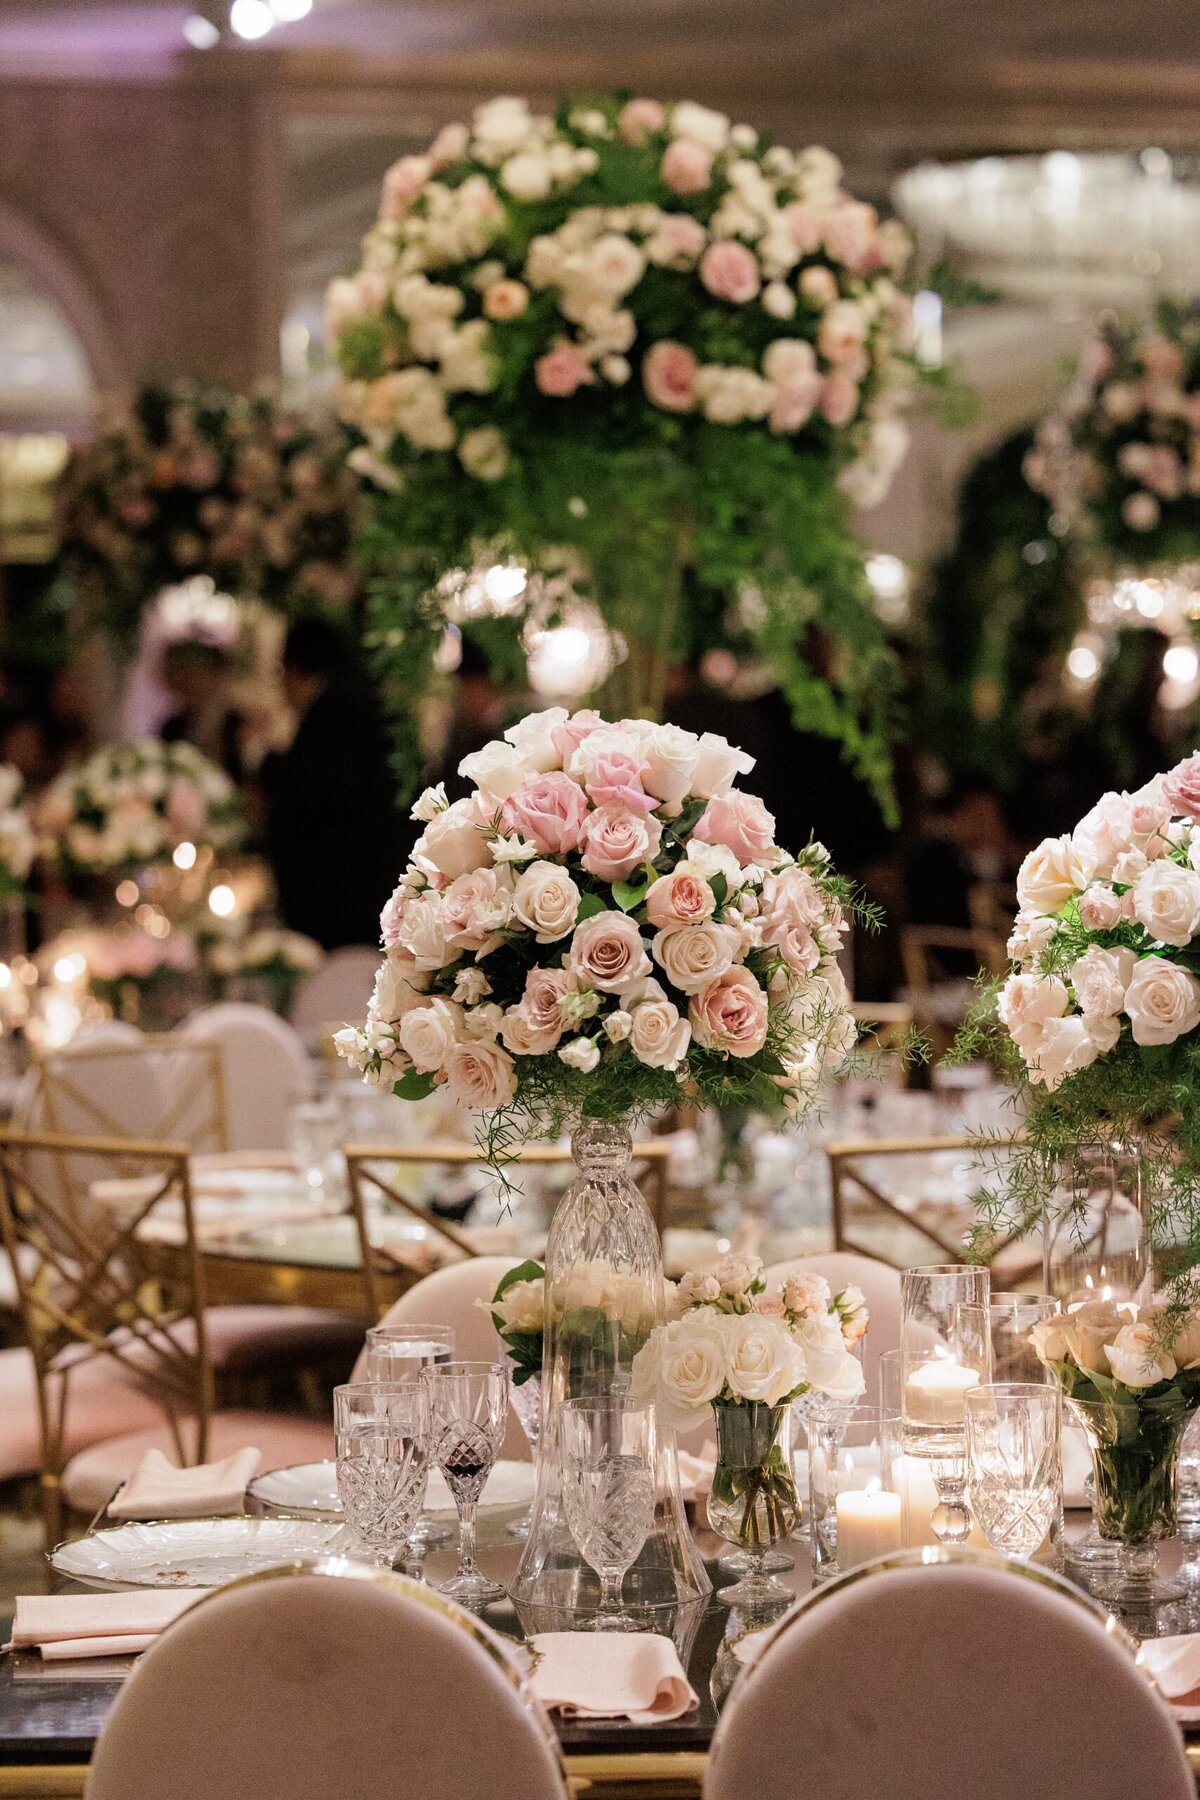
(560, 371)
(742, 823)
(1095, 361)
(819, 285)
(851, 237)
(730, 271)
(638, 118)
(679, 899)
(1181, 788)
(1100, 908)
(678, 240)
(669, 376)
(615, 779)
(402, 183)
(839, 398)
(731, 1015)
(795, 403)
(607, 952)
(449, 145)
(534, 1027)
(185, 809)
(479, 1074)
(686, 168)
(505, 300)
(475, 909)
(568, 736)
(791, 912)
(616, 840)
(1161, 359)
(549, 811)
(806, 224)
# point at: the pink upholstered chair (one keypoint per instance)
(449, 1297)
(106, 1365)
(341, 1681)
(941, 1675)
(880, 1284)
(265, 1066)
(337, 992)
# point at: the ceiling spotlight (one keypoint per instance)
(251, 18)
(200, 32)
(288, 11)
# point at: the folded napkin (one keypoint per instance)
(633, 1675)
(158, 1490)
(65, 1626)
(1174, 1662)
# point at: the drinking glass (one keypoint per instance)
(608, 1460)
(381, 1443)
(525, 1399)
(1014, 1462)
(396, 1354)
(468, 1412)
(930, 1297)
(855, 1515)
(939, 1368)
(314, 1140)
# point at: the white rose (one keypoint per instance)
(501, 125)
(618, 1025)
(1027, 1001)
(533, 739)
(1166, 900)
(430, 803)
(399, 986)
(581, 1053)
(829, 1367)
(613, 265)
(484, 453)
(546, 900)
(694, 956)
(1130, 866)
(1104, 833)
(527, 176)
(423, 932)
(763, 1361)
(1100, 977)
(521, 1308)
(1162, 1001)
(706, 860)
(672, 755)
(1135, 1359)
(454, 841)
(682, 1368)
(1050, 875)
(659, 1036)
(1104, 1031)
(701, 125)
(1058, 1048)
(718, 765)
(427, 1034)
(777, 297)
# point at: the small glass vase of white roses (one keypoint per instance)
(749, 1353)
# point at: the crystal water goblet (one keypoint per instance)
(381, 1447)
(468, 1413)
(1014, 1462)
(395, 1355)
(609, 1462)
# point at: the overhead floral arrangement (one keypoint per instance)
(638, 332)
(606, 925)
(1099, 1020)
(132, 805)
(17, 840)
(194, 481)
(269, 959)
(1120, 457)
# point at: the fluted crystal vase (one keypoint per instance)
(603, 1298)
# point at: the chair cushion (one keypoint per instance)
(243, 1337)
(92, 1478)
(102, 1402)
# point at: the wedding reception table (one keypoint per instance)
(49, 1721)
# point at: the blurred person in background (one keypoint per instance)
(332, 831)
(199, 677)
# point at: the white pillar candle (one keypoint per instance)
(869, 1523)
(936, 1393)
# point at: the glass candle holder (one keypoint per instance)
(1096, 1241)
(930, 1297)
(855, 1513)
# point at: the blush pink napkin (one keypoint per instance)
(1174, 1663)
(158, 1490)
(598, 1675)
(66, 1626)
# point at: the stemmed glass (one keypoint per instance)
(468, 1412)
(525, 1398)
(607, 1451)
(395, 1356)
(1014, 1462)
(381, 1442)
(945, 1351)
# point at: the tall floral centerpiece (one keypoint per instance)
(748, 1353)
(1099, 1021)
(606, 926)
(638, 334)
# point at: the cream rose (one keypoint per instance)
(1136, 1359)
(1089, 1331)
(1166, 900)
(694, 956)
(731, 1015)
(1162, 1001)
(521, 1308)
(422, 932)
(1050, 875)
(428, 1033)
(1100, 977)
(1058, 1048)
(762, 1359)
(1051, 1338)
(546, 900)
(454, 841)
(718, 765)
(615, 841)
(671, 756)
(1029, 1000)
(607, 952)
(829, 1366)
(480, 1074)
(658, 1035)
(399, 986)
(691, 1363)
(679, 899)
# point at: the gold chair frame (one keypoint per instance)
(847, 1179)
(55, 1085)
(82, 1296)
(919, 945)
(362, 1176)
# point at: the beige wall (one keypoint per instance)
(151, 212)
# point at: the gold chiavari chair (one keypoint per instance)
(940, 962)
(164, 1089)
(82, 1297)
(889, 1221)
(374, 1171)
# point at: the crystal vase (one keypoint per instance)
(1135, 1467)
(525, 1399)
(753, 1502)
(604, 1295)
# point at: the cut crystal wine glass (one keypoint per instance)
(608, 1459)
(468, 1413)
(1014, 1462)
(381, 1446)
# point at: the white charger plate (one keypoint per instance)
(177, 1553)
(310, 1491)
